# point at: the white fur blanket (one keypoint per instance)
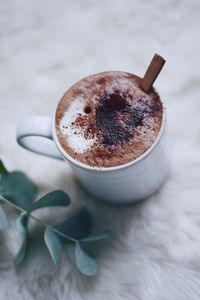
(45, 47)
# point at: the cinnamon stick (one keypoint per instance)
(152, 73)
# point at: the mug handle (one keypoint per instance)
(35, 134)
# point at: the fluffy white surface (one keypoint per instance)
(45, 47)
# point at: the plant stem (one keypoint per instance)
(65, 235)
(21, 210)
(12, 204)
(35, 218)
(38, 220)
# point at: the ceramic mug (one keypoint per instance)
(121, 184)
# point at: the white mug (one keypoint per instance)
(121, 184)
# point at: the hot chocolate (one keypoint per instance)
(106, 119)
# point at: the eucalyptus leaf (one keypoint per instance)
(3, 219)
(96, 237)
(20, 191)
(21, 225)
(18, 188)
(77, 226)
(3, 170)
(55, 198)
(85, 262)
(53, 244)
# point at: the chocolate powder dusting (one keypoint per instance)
(118, 115)
(117, 119)
(113, 131)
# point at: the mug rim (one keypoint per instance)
(69, 158)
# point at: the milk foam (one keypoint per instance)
(74, 134)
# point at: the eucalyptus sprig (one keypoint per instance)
(19, 192)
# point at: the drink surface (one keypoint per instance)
(106, 120)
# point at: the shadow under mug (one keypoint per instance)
(121, 184)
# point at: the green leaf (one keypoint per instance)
(85, 262)
(53, 244)
(3, 219)
(96, 237)
(21, 224)
(77, 226)
(3, 170)
(18, 188)
(55, 198)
